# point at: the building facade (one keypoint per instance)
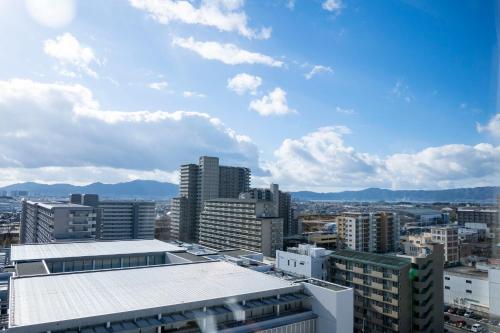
(241, 223)
(448, 236)
(199, 182)
(44, 222)
(369, 232)
(392, 293)
(305, 260)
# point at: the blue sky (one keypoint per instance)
(322, 95)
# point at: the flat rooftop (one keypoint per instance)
(31, 252)
(372, 258)
(466, 271)
(65, 297)
(55, 204)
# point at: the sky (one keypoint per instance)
(323, 95)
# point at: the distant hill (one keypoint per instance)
(160, 190)
(133, 189)
(475, 194)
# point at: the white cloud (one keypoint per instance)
(400, 90)
(322, 161)
(189, 94)
(225, 15)
(71, 55)
(345, 111)
(273, 103)
(51, 13)
(332, 5)
(229, 54)
(316, 70)
(64, 126)
(243, 82)
(290, 4)
(492, 127)
(158, 85)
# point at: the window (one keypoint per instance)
(447, 287)
(468, 281)
(447, 278)
(468, 291)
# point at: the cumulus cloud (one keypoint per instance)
(243, 82)
(492, 127)
(51, 13)
(189, 94)
(321, 160)
(332, 5)
(273, 103)
(229, 54)
(317, 69)
(71, 55)
(225, 15)
(158, 85)
(64, 126)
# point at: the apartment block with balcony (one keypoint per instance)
(241, 223)
(448, 236)
(369, 232)
(44, 222)
(392, 293)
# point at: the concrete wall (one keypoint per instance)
(494, 286)
(335, 309)
(455, 291)
(300, 264)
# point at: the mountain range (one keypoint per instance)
(151, 189)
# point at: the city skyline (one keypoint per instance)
(313, 95)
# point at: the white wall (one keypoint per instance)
(335, 309)
(457, 293)
(302, 265)
(494, 284)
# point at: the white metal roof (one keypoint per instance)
(88, 249)
(61, 297)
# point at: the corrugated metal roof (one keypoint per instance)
(60, 297)
(88, 249)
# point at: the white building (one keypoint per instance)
(304, 260)
(206, 296)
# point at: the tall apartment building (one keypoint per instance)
(448, 236)
(250, 224)
(199, 182)
(369, 232)
(120, 219)
(392, 293)
(44, 222)
(283, 201)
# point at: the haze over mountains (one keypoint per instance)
(150, 189)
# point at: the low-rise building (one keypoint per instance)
(192, 296)
(448, 236)
(305, 260)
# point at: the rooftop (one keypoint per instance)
(387, 260)
(65, 297)
(88, 249)
(466, 271)
(51, 205)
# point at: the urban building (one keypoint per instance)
(199, 182)
(392, 293)
(120, 219)
(305, 260)
(477, 215)
(162, 227)
(44, 222)
(448, 236)
(193, 296)
(369, 232)
(250, 224)
(281, 199)
(424, 216)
